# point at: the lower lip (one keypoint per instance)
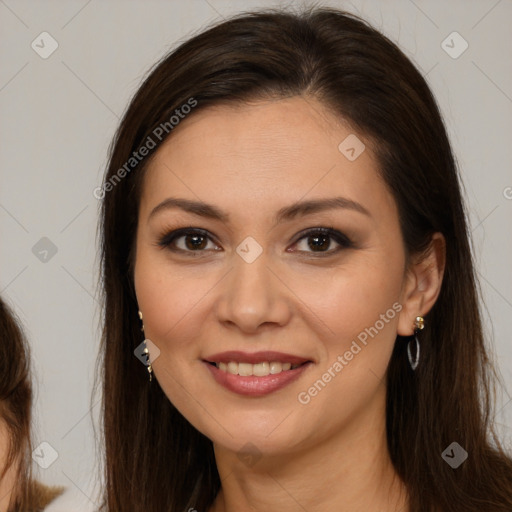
(256, 386)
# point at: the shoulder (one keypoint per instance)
(60, 499)
(42, 495)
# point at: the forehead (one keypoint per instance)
(262, 154)
(272, 132)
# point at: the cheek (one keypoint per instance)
(350, 299)
(358, 306)
(172, 299)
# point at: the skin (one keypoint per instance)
(331, 453)
(7, 483)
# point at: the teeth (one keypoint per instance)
(276, 368)
(259, 370)
(245, 369)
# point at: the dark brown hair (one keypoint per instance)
(156, 460)
(15, 402)
(28, 494)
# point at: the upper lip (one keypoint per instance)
(255, 357)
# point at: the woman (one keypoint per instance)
(282, 218)
(18, 490)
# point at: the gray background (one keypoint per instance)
(59, 114)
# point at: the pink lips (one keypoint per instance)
(253, 385)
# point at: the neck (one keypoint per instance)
(349, 471)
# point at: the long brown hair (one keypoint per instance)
(16, 394)
(15, 403)
(156, 460)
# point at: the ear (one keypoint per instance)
(422, 284)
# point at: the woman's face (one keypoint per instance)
(254, 275)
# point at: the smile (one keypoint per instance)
(255, 374)
(259, 370)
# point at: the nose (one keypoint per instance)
(252, 297)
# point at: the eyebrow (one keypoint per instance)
(287, 213)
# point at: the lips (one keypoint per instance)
(255, 374)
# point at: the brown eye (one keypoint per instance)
(321, 240)
(187, 241)
(194, 241)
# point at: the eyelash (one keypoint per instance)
(344, 242)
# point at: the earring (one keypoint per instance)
(419, 324)
(146, 351)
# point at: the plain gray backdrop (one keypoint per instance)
(60, 111)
